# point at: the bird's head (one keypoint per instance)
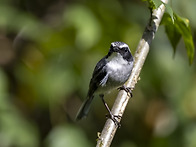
(122, 49)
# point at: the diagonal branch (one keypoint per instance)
(122, 99)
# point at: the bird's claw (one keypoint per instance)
(114, 119)
(126, 89)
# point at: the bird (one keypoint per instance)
(110, 73)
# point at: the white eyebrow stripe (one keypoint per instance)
(113, 44)
(123, 45)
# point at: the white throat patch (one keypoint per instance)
(116, 61)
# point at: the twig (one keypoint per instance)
(109, 130)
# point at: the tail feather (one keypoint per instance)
(84, 109)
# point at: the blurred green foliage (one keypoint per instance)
(48, 50)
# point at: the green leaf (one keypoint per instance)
(180, 28)
(184, 29)
(171, 31)
(169, 10)
(154, 4)
(157, 3)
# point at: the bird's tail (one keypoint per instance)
(84, 109)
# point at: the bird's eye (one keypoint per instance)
(125, 49)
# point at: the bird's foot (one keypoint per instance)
(126, 89)
(114, 118)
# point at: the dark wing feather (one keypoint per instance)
(98, 74)
(99, 78)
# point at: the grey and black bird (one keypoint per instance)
(111, 72)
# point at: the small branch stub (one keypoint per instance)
(109, 130)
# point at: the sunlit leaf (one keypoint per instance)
(180, 28)
(169, 10)
(171, 31)
(184, 28)
(154, 4)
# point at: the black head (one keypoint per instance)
(122, 48)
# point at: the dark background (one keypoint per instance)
(48, 49)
